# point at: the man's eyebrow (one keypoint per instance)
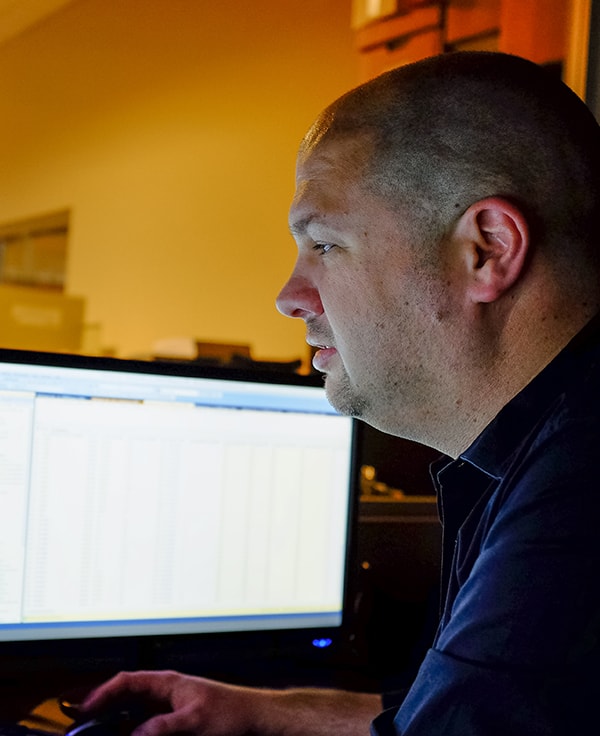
(299, 226)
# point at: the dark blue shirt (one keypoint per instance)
(517, 651)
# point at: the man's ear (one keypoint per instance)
(495, 241)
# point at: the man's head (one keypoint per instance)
(447, 131)
(456, 200)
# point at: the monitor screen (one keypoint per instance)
(145, 498)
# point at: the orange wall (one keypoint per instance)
(169, 128)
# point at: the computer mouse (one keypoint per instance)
(96, 727)
(114, 724)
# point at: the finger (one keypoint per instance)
(122, 688)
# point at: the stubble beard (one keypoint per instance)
(344, 397)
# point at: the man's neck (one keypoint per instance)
(512, 370)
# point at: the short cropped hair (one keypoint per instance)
(450, 130)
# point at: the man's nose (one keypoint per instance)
(299, 298)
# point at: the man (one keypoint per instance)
(448, 273)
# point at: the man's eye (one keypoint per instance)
(323, 247)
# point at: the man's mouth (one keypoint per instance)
(322, 357)
(313, 340)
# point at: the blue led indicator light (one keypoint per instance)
(322, 643)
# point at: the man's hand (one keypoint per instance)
(194, 705)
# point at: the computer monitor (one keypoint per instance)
(155, 499)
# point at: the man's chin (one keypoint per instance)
(341, 396)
